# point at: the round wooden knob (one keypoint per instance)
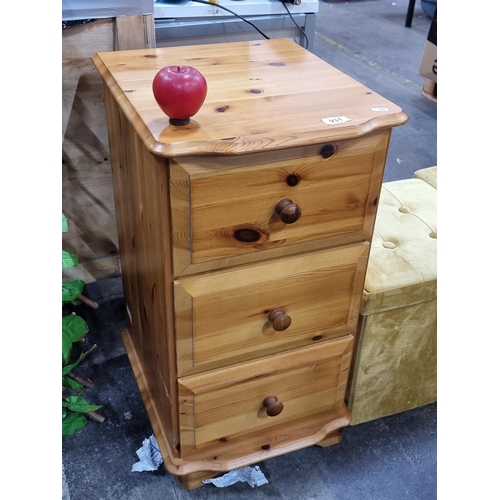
(288, 211)
(273, 406)
(280, 320)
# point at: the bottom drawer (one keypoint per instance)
(224, 404)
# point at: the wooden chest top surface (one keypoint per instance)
(262, 95)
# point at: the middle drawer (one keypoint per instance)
(240, 314)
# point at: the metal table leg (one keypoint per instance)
(409, 13)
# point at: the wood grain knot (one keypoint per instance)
(276, 64)
(221, 109)
(256, 91)
(247, 235)
(328, 150)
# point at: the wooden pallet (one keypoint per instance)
(87, 190)
(429, 89)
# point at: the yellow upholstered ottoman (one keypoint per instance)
(395, 368)
(428, 175)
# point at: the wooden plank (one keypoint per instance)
(87, 189)
(134, 32)
(250, 105)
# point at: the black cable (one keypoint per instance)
(293, 20)
(253, 25)
(233, 13)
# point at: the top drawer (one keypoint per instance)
(229, 207)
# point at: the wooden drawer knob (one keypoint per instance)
(273, 406)
(280, 320)
(288, 211)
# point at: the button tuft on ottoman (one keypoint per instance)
(396, 361)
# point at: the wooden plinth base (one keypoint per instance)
(194, 480)
(322, 430)
(333, 438)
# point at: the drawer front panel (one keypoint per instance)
(224, 207)
(224, 404)
(226, 317)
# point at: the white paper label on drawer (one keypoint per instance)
(334, 120)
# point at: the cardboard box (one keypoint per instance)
(428, 66)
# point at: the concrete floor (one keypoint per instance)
(367, 40)
(391, 458)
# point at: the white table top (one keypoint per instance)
(188, 9)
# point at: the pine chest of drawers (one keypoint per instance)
(244, 238)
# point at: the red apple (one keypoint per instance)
(180, 92)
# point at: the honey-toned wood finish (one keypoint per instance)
(141, 209)
(195, 479)
(215, 199)
(224, 404)
(244, 240)
(252, 448)
(222, 318)
(262, 95)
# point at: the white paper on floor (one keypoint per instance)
(149, 456)
(251, 475)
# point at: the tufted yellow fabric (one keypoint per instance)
(396, 363)
(428, 175)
